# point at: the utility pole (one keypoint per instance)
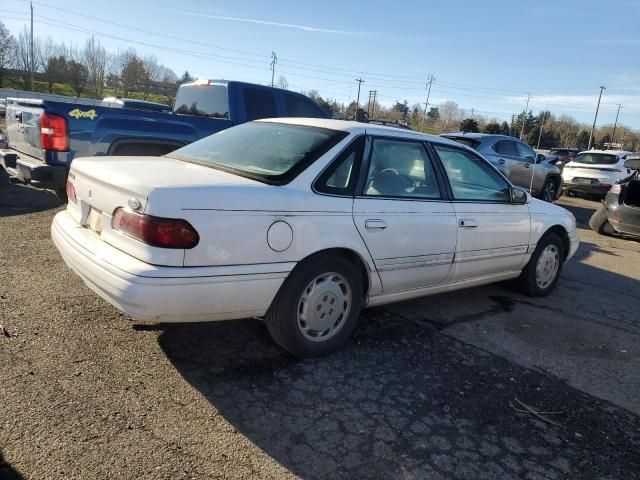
(274, 60)
(524, 122)
(544, 118)
(593, 127)
(430, 81)
(360, 82)
(369, 104)
(511, 127)
(373, 106)
(615, 125)
(32, 60)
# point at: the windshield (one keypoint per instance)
(203, 100)
(596, 159)
(272, 152)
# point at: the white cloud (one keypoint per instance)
(580, 103)
(305, 28)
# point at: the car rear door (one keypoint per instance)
(492, 233)
(402, 216)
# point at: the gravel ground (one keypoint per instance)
(424, 389)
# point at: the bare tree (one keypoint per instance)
(282, 82)
(94, 58)
(154, 72)
(23, 58)
(133, 75)
(450, 115)
(7, 52)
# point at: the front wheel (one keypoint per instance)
(599, 222)
(317, 306)
(541, 274)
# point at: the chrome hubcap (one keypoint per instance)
(324, 307)
(547, 267)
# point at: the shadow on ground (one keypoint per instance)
(400, 400)
(7, 472)
(18, 199)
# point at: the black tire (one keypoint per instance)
(282, 316)
(550, 190)
(599, 222)
(526, 282)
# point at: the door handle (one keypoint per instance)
(526, 165)
(467, 223)
(375, 224)
(501, 161)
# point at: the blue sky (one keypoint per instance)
(484, 55)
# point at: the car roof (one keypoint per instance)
(352, 126)
(479, 136)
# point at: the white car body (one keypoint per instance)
(595, 178)
(252, 235)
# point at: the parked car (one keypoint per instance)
(620, 211)
(303, 222)
(563, 155)
(46, 135)
(517, 161)
(595, 171)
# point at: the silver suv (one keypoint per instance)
(517, 161)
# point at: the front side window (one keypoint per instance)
(272, 152)
(526, 153)
(401, 169)
(471, 177)
(259, 103)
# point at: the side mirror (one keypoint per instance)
(518, 196)
(540, 158)
(632, 162)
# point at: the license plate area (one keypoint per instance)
(94, 221)
(583, 181)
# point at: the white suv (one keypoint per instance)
(595, 171)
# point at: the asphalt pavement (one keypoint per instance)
(479, 384)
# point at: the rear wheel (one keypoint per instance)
(549, 190)
(317, 307)
(61, 193)
(541, 274)
(599, 222)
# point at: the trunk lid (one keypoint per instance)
(104, 184)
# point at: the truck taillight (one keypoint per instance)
(53, 132)
(155, 231)
(71, 192)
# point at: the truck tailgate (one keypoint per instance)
(23, 127)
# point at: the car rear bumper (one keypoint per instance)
(33, 171)
(592, 188)
(166, 294)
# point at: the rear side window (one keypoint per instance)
(203, 100)
(341, 176)
(301, 107)
(259, 103)
(506, 147)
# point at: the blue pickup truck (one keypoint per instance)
(44, 136)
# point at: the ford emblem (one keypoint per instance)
(134, 204)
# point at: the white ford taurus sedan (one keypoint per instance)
(303, 222)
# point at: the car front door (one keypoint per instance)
(493, 233)
(409, 229)
(523, 170)
(506, 157)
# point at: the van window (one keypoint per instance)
(301, 107)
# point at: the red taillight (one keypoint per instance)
(53, 132)
(71, 192)
(155, 231)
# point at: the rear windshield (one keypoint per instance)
(271, 152)
(596, 159)
(203, 100)
(469, 142)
